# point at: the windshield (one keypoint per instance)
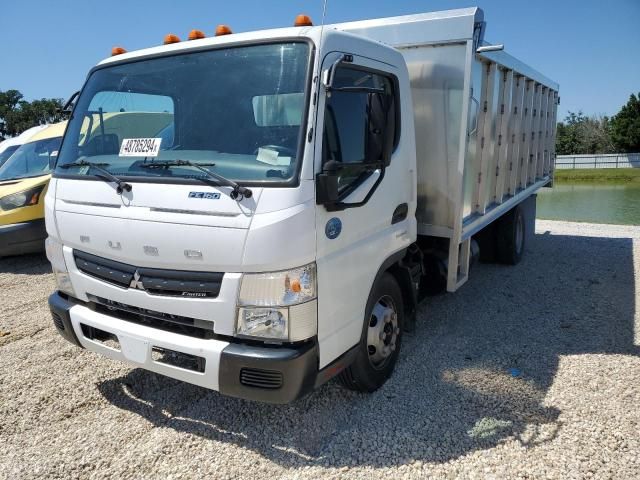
(239, 108)
(4, 156)
(31, 159)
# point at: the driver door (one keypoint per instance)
(374, 220)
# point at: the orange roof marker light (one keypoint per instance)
(223, 30)
(196, 34)
(117, 51)
(303, 21)
(171, 38)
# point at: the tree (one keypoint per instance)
(625, 126)
(17, 115)
(567, 141)
(579, 134)
(8, 102)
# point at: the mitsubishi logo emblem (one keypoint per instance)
(136, 283)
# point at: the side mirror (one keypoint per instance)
(380, 129)
(327, 184)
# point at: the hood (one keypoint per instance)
(185, 227)
(161, 226)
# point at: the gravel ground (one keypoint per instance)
(527, 372)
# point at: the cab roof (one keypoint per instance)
(208, 42)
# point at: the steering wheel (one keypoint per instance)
(286, 151)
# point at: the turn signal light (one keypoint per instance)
(303, 21)
(117, 51)
(223, 30)
(171, 38)
(196, 34)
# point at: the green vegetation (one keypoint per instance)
(598, 175)
(579, 134)
(17, 115)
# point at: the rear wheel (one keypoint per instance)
(381, 338)
(510, 237)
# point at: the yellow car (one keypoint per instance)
(23, 184)
(25, 175)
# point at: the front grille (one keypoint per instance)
(192, 327)
(155, 281)
(57, 321)
(257, 378)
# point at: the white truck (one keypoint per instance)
(275, 203)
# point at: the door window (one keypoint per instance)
(346, 121)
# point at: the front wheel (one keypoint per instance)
(379, 345)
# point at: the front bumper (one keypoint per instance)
(21, 238)
(268, 374)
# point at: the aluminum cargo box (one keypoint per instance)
(484, 123)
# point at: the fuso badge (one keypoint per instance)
(333, 228)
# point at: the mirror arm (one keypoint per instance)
(66, 110)
(345, 58)
(339, 206)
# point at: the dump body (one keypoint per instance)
(484, 123)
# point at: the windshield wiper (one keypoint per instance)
(122, 186)
(238, 193)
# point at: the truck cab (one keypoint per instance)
(251, 227)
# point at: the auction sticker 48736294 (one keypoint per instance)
(140, 147)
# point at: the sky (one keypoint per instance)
(590, 47)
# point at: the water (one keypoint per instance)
(595, 203)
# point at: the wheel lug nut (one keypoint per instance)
(381, 336)
(387, 319)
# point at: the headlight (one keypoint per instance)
(264, 322)
(55, 255)
(279, 306)
(25, 198)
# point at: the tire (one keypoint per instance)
(373, 366)
(510, 237)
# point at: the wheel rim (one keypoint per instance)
(519, 235)
(383, 332)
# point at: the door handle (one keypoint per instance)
(400, 213)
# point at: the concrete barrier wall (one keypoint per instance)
(613, 160)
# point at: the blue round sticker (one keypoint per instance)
(333, 228)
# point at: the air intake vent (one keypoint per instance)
(268, 379)
(57, 321)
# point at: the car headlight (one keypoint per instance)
(25, 198)
(55, 255)
(279, 306)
